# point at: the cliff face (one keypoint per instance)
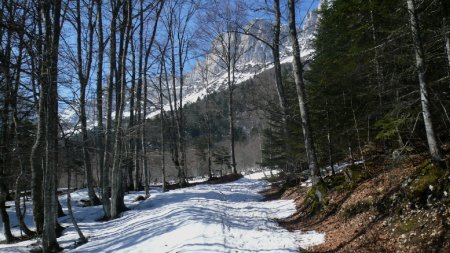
(255, 57)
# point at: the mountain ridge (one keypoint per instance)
(257, 58)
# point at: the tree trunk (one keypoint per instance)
(278, 77)
(161, 118)
(20, 217)
(446, 27)
(209, 148)
(51, 16)
(330, 144)
(106, 180)
(14, 130)
(161, 122)
(144, 85)
(82, 239)
(36, 163)
(180, 118)
(36, 155)
(133, 182)
(358, 136)
(231, 125)
(143, 133)
(117, 191)
(143, 148)
(83, 76)
(5, 147)
(378, 71)
(3, 213)
(433, 145)
(175, 113)
(87, 158)
(301, 92)
(138, 142)
(99, 95)
(231, 65)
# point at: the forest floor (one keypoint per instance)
(230, 217)
(379, 213)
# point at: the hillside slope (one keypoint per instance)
(392, 208)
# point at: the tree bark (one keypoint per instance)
(278, 76)
(161, 122)
(5, 148)
(106, 180)
(83, 76)
(143, 79)
(446, 27)
(161, 118)
(82, 239)
(99, 94)
(133, 182)
(231, 124)
(117, 191)
(232, 56)
(208, 118)
(17, 146)
(377, 66)
(51, 13)
(36, 162)
(175, 112)
(433, 146)
(330, 144)
(302, 99)
(138, 147)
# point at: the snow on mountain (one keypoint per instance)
(256, 58)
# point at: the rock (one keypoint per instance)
(139, 198)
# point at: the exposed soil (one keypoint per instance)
(360, 220)
(214, 180)
(224, 179)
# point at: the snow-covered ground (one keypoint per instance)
(206, 218)
(263, 174)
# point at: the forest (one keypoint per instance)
(225, 126)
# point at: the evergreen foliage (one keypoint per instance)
(363, 67)
(362, 83)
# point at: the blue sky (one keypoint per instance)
(302, 7)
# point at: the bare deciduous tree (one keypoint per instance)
(84, 64)
(51, 15)
(117, 184)
(302, 98)
(223, 26)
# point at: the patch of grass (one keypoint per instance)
(317, 197)
(406, 226)
(339, 183)
(335, 181)
(425, 183)
(354, 173)
(360, 207)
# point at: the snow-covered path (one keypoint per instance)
(205, 218)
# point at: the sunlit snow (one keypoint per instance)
(206, 218)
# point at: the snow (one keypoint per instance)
(262, 174)
(338, 168)
(206, 218)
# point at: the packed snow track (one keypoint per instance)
(206, 218)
